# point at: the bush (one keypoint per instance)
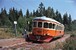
(70, 44)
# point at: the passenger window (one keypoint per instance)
(53, 26)
(58, 28)
(34, 24)
(50, 25)
(45, 25)
(39, 24)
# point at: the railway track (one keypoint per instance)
(21, 44)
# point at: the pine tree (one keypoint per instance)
(69, 18)
(13, 15)
(3, 16)
(37, 13)
(41, 7)
(66, 22)
(65, 19)
(34, 13)
(20, 13)
(49, 12)
(52, 13)
(27, 13)
(4, 20)
(31, 15)
(44, 13)
(69, 23)
(58, 16)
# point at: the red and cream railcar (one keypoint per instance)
(45, 29)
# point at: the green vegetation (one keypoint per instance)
(6, 33)
(7, 21)
(70, 44)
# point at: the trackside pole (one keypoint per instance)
(15, 23)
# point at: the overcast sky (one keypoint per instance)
(62, 6)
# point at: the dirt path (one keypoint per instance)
(21, 44)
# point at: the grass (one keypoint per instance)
(71, 42)
(73, 33)
(6, 33)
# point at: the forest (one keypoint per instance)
(24, 21)
(7, 18)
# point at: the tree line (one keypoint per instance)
(7, 18)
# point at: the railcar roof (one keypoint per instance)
(46, 18)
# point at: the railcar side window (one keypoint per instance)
(53, 26)
(39, 24)
(58, 28)
(34, 24)
(50, 25)
(45, 25)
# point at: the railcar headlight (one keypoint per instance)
(44, 34)
(48, 34)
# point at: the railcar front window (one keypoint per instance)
(34, 24)
(39, 24)
(45, 25)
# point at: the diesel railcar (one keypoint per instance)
(45, 29)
